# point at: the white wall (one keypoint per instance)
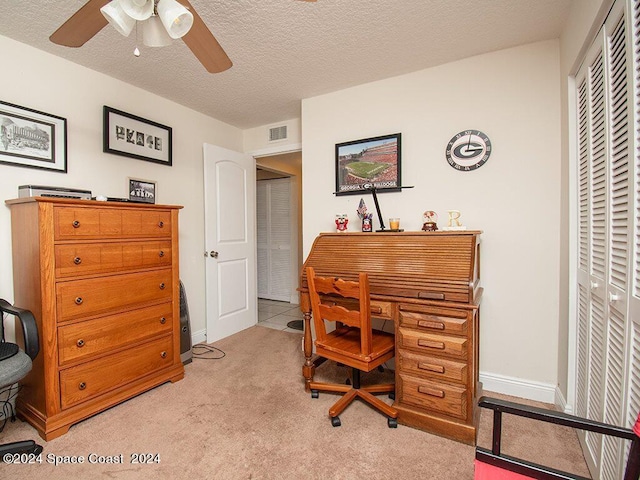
(514, 97)
(41, 81)
(256, 140)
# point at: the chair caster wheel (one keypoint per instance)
(335, 421)
(392, 422)
(392, 396)
(380, 368)
(315, 393)
(347, 381)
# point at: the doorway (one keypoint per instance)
(279, 236)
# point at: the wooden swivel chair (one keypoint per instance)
(353, 343)
(14, 365)
(493, 465)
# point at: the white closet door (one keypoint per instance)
(274, 239)
(605, 349)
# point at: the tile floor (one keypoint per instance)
(274, 314)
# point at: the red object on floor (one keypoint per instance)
(484, 471)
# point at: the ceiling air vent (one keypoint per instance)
(277, 133)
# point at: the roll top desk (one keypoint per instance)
(428, 284)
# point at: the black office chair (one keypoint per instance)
(14, 365)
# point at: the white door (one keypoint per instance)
(229, 197)
(274, 239)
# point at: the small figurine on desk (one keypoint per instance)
(367, 222)
(430, 221)
(454, 221)
(342, 220)
(366, 218)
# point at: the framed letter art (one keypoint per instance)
(131, 136)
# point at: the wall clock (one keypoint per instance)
(468, 150)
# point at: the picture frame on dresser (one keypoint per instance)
(33, 139)
(132, 136)
(143, 191)
(369, 162)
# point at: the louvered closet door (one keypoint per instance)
(274, 239)
(605, 170)
(633, 336)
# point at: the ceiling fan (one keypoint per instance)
(163, 20)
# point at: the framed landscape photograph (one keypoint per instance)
(131, 136)
(144, 191)
(361, 164)
(33, 139)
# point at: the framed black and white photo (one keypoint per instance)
(370, 162)
(33, 139)
(132, 136)
(144, 191)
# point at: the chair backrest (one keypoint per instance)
(357, 315)
(492, 465)
(28, 324)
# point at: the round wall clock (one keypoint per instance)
(468, 150)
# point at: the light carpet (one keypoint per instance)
(247, 416)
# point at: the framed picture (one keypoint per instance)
(135, 137)
(33, 139)
(144, 191)
(361, 164)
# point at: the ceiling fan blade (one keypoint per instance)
(82, 25)
(204, 45)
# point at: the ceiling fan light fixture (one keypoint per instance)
(117, 17)
(175, 17)
(138, 9)
(154, 34)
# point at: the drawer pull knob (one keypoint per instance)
(377, 310)
(76, 224)
(82, 385)
(431, 344)
(163, 320)
(77, 260)
(80, 343)
(160, 224)
(163, 354)
(431, 324)
(431, 368)
(161, 253)
(78, 300)
(162, 286)
(431, 391)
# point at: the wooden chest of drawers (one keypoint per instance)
(102, 281)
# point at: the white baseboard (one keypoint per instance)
(517, 387)
(199, 337)
(562, 404)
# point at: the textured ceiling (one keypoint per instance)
(287, 50)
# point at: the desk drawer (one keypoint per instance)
(435, 368)
(434, 344)
(91, 258)
(97, 296)
(447, 399)
(435, 321)
(93, 337)
(94, 378)
(81, 222)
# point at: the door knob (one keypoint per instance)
(213, 254)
